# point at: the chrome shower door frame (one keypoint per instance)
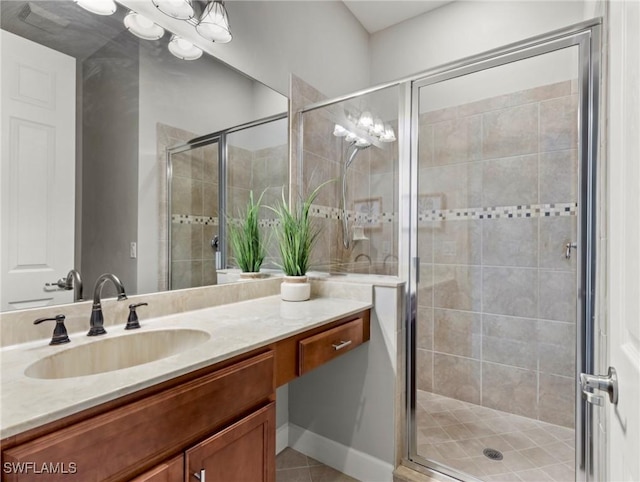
(197, 143)
(585, 36)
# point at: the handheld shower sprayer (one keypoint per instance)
(354, 148)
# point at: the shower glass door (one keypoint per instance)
(194, 216)
(497, 317)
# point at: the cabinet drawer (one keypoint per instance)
(118, 444)
(325, 346)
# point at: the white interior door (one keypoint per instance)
(38, 171)
(623, 434)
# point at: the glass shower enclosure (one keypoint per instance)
(354, 142)
(492, 189)
(209, 179)
(502, 282)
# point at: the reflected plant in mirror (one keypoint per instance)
(90, 111)
(245, 239)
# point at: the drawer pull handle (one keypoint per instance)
(200, 475)
(341, 345)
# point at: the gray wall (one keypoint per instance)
(110, 167)
(351, 399)
(461, 29)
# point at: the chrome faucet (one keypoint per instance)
(97, 320)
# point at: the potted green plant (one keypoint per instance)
(296, 235)
(246, 240)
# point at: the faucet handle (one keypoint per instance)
(132, 321)
(59, 332)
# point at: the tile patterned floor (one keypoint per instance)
(292, 466)
(455, 434)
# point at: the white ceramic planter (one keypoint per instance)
(295, 288)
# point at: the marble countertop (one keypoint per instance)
(237, 328)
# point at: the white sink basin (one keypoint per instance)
(116, 353)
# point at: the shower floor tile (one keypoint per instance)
(455, 433)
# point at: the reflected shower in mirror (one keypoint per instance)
(89, 110)
(250, 157)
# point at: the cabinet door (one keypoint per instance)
(171, 471)
(243, 452)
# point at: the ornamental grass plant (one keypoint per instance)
(296, 233)
(245, 239)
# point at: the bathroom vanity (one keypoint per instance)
(207, 413)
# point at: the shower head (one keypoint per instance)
(355, 148)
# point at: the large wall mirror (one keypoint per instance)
(88, 113)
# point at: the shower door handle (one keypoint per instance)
(567, 249)
(606, 383)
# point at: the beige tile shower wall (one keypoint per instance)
(263, 171)
(373, 174)
(496, 316)
(166, 137)
(194, 193)
(323, 157)
(239, 175)
(270, 175)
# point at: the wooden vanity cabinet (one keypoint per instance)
(171, 471)
(118, 444)
(220, 419)
(243, 452)
(305, 351)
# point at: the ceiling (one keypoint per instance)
(377, 15)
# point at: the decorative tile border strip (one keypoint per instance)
(194, 219)
(363, 219)
(213, 220)
(498, 212)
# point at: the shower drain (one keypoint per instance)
(493, 454)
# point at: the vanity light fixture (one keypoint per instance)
(351, 137)
(366, 120)
(214, 23)
(180, 9)
(340, 131)
(374, 129)
(99, 7)
(378, 127)
(142, 27)
(388, 135)
(183, 49)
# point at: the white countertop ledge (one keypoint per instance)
(236, 328)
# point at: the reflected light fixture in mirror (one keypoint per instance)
(214, 23)
(183, 49)
(180, 9)
(365, 124)
(99, 7)
(142, 27)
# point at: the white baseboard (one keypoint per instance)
(282, 437)
(347, 460)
